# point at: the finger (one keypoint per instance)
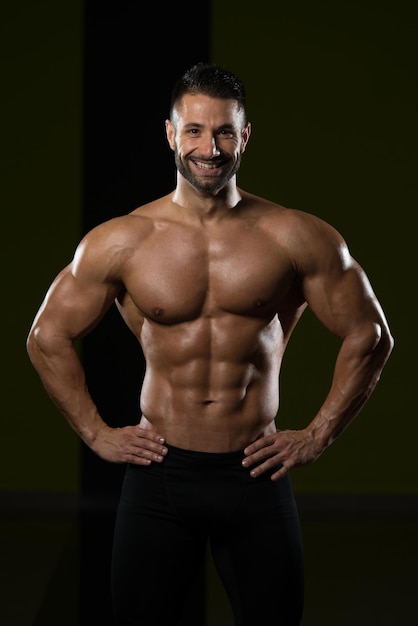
(147, 433)
(144, 442)
(258, 445)
(259, 456)
(281, 473)
(270, 464)
(143, 458)
(137, 460)
(152, 452)
(261, 469)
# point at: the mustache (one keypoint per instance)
(219, 158)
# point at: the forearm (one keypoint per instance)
(358, 367)
(63, 377)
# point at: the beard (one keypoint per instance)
(205, 183)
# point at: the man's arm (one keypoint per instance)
(340, 295)
(74, 304)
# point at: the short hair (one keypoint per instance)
(210, 80)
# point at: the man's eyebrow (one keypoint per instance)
(197, 125)
(227, 127)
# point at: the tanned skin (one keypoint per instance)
(212, 281)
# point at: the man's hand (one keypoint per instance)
(130, 444)
(288, 448)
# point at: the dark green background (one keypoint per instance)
(41, 190)
(332, 98)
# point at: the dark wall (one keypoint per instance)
(41, 196)
(333, 96)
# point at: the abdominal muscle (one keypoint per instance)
(209, 386)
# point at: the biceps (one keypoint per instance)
(72, 307)
(343, 300)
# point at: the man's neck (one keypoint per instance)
(207, 205)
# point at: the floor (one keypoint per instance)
(361, 557)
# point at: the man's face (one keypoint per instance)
(208, 137)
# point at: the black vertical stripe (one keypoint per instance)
(133, 53)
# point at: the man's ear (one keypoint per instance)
(245, 136)
(170, 132)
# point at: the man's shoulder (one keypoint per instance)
(153, 210)
(304, 237)
(138, 223)
(278, 215)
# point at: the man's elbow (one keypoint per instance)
(387, 340)
(32, 342)
(373, 339)
(42, 340)
(381, 341)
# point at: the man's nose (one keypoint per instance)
(209, 148)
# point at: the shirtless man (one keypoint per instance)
(211, 280)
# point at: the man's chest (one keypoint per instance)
(183, 277)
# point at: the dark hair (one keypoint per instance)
(210, 80)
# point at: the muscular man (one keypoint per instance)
(211, 280)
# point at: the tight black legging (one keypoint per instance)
(166, 515)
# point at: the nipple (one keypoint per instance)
(259, 302)
(157, 311)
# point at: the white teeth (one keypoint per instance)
(206, 166)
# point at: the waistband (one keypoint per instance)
(204, 458)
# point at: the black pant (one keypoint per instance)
(166, 514)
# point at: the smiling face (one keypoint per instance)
(208, 136)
